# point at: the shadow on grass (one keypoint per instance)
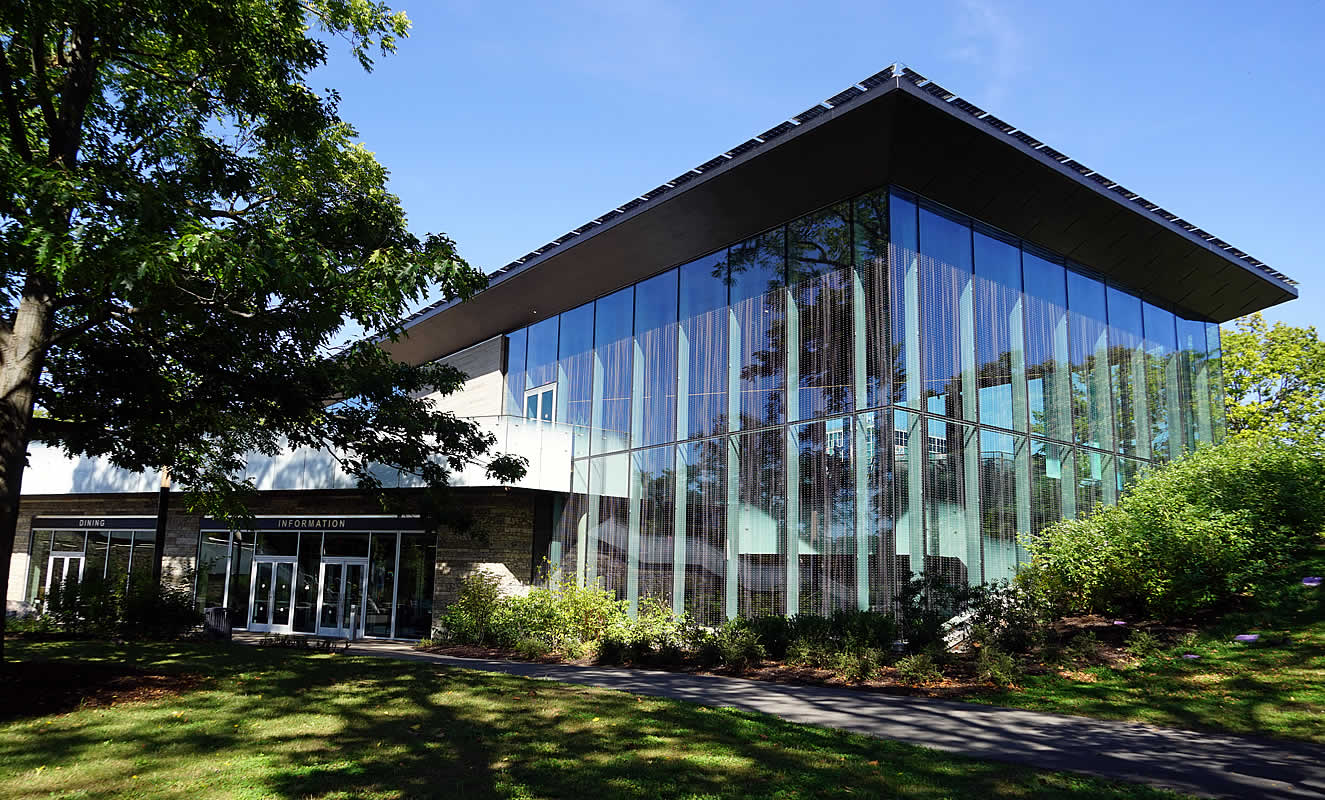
(294, 725)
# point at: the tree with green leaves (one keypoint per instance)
(1274, 380)
(186, 228)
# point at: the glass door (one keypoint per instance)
(64, 569)
(342, 600)
(272, 589)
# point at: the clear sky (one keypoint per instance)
(505, 125)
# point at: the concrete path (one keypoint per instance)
(1211, 764)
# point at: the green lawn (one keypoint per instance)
(288, 724)
(1274, 687)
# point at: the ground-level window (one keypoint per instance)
(62, 557)
(329, 583)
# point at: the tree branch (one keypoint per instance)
(17, 133)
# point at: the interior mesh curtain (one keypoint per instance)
(609, 481)
(1127, 374)
(655, 477)
(999, 515)
(1092, 407)
(613, 371)
(945, 277)
(655, 347)
(758, 301)
(819, 273)
(1161, 382)
(999, 333)
(870, 223)
(827, 557)
(705, 490)
(704, 332)
(760, 522)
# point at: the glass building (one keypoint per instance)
(890, 335)
(799, 421)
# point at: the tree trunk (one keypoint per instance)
(22, 352)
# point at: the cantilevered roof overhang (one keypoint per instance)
(897, 128)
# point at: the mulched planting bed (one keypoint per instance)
(959, 679)
(35, 688)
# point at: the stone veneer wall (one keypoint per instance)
(500, 541)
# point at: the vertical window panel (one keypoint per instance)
(703, 346)
(1053, 493)
(951, 502)
(819, 273)
(884, 500)
(613, 374)
(827, 524)
(999, 334)
(1215, 368)
(541, 362)
(870, 219)
(516, 341)
(1193, 383)
(759, 325)
(575, 375)
(655, 354)
(904, 299)
(946, 333)
(654, 473)
(1095, 481)
(1127, 374)
(414, 586)
(1162, 382)
(705, 490)
(1092, 407)
(1046, 347)
(609, 484)
(1000, 519)
(760, 522)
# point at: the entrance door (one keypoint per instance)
(343, 596)
(270, 606)
(64, 569)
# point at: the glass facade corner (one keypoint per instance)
(799, 421)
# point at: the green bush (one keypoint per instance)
(997, 666)
(918, 669)
(858, 664)
(1142, 644)
(738, 645)
(97, 609)
(562, 617)
(1191, 536)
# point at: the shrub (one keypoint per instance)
(1191, 536)
(918, 669)
(859, 664)
(738, 645)
(97, 608)
(998, 667)
(1142, 644)
(469, 619)
(1083, 649)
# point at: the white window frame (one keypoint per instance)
(545, 397)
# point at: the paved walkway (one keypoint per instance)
(1216, 765)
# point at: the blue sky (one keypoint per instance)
(506, 125)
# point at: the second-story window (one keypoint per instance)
(540, 403)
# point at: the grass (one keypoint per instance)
(1274, 687)
(289, 724)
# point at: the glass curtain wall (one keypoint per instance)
(803, 419)
(113, 557)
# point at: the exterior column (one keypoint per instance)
(792, 344)
(733, 527)
(975, 562)
(681, 509)
(917, 451)
(1141, 402)
(1022, 471)
(859, 463)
